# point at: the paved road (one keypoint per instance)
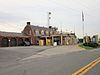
(95, 70)
(15, 53)
(10, 55)
(56, 61)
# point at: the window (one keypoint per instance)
(42, 32)
(37, 33)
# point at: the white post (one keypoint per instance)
(49, 13)
(83, 28)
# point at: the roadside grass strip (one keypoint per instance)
(85, 47)
(85, 69)
(82, 48)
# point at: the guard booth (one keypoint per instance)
(45, 40)
(86, 39)
(48, 42)
(41, 42)
(95, 39)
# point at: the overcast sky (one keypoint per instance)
(65, 14)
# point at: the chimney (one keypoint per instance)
(28, 23)
(50, 27)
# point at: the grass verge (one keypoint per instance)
(87, 47)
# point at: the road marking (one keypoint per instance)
(85, 69)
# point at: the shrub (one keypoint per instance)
(85, 44)
(94, 45)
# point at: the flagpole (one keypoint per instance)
(83, 23)
(83, 28)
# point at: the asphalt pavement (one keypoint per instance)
(61, 60)
(8, 54)
(95, 70)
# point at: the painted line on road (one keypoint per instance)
(85, 69)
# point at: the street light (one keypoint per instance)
(49, 13)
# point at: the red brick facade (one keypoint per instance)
(9, 39)
(36, 32)
(32, 34)
(28, 31)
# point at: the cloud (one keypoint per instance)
(8, 17)
(65, 13)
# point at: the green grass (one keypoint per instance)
(87, 47)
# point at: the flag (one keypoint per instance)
(49, 17)
(82, 16)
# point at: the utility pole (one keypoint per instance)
(49, 13)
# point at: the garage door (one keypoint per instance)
(20, 42)
(13, 42)
(5, 42)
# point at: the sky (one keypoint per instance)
(65, 14)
